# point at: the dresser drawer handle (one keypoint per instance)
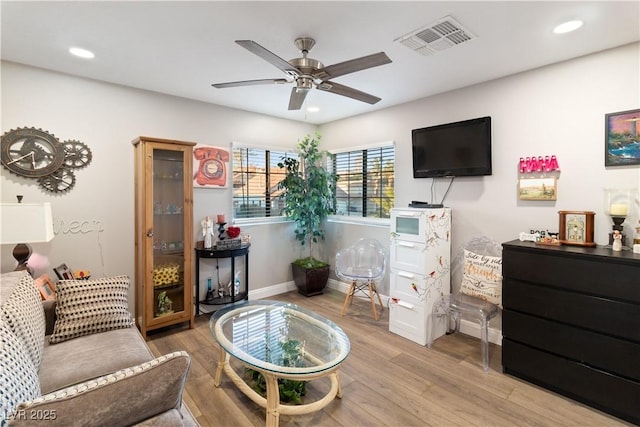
(407, 275)
(406, 245)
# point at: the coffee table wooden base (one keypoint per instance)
(272, 402)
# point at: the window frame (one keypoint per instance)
(256, 219)
(363, 220)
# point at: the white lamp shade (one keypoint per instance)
(25, 223)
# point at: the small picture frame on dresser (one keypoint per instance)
(576, 228)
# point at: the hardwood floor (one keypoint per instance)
(387, 380)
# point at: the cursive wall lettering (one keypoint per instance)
(60, 226)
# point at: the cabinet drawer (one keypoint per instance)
(587, 272)
(410, 321)
(611, 317)
(417, 288)
(591, 348)
(420, 225)
(408, 256)
(615, 395)
(419, 258)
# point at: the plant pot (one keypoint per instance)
(310, 281)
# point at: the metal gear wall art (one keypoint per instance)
(37, 154)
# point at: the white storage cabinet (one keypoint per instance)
(420, 254)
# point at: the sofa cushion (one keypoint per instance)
(24, 314)
(89, 306)
(91, 356)
(18, 376)
(133, 394)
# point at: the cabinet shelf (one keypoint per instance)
(242, 251)
(168, 287)
(225, 300)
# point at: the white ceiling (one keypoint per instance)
(181, 48)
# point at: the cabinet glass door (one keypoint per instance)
(168, 232)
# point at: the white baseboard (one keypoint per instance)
(467, 327)
(473, 328)
(269, 291)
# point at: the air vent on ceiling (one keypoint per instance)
(440, 35)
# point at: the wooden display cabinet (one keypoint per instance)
(163, 233)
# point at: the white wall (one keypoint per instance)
(558, 109)
(107, 118)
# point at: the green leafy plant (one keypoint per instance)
(291, 391)
(308, 196)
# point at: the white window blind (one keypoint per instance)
(365, 187)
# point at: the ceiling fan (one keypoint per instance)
(308, 72)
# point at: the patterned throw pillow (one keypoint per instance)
(18, 377)
(87, 307)
(482, 277)
(24, 315)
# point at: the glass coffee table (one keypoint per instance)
(261, 335)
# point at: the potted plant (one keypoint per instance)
(308, 199)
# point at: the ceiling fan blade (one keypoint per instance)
(269, 56)
(352, 66)
(297, 98)
(347, 91)
(250, 83)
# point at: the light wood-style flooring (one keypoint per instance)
(387, 380)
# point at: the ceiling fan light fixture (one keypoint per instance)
(304, 84)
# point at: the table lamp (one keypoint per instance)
(24, 223)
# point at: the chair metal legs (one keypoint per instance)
(364, 287)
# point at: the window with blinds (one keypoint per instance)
(255, 182)
(365, 187)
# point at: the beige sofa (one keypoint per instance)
(80, 360)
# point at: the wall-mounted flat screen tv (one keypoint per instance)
(452, 149)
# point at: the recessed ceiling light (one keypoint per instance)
(81, 53)
(313, 109)
(567, 27)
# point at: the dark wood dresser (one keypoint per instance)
(571, 323)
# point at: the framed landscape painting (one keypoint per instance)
(622, 138)
(537, 188)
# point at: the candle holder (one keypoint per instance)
(618, 203)
(221, 230)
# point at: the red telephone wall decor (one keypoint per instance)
(210, 167)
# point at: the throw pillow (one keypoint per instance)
(18, 377)
(24, 314)
(90, 306)
(482, 277)
(133, 394)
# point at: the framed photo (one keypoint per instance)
(210, 165)
(63, 272)
(576, 228)
(46, 287)
(622, 138)
(538, 188)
